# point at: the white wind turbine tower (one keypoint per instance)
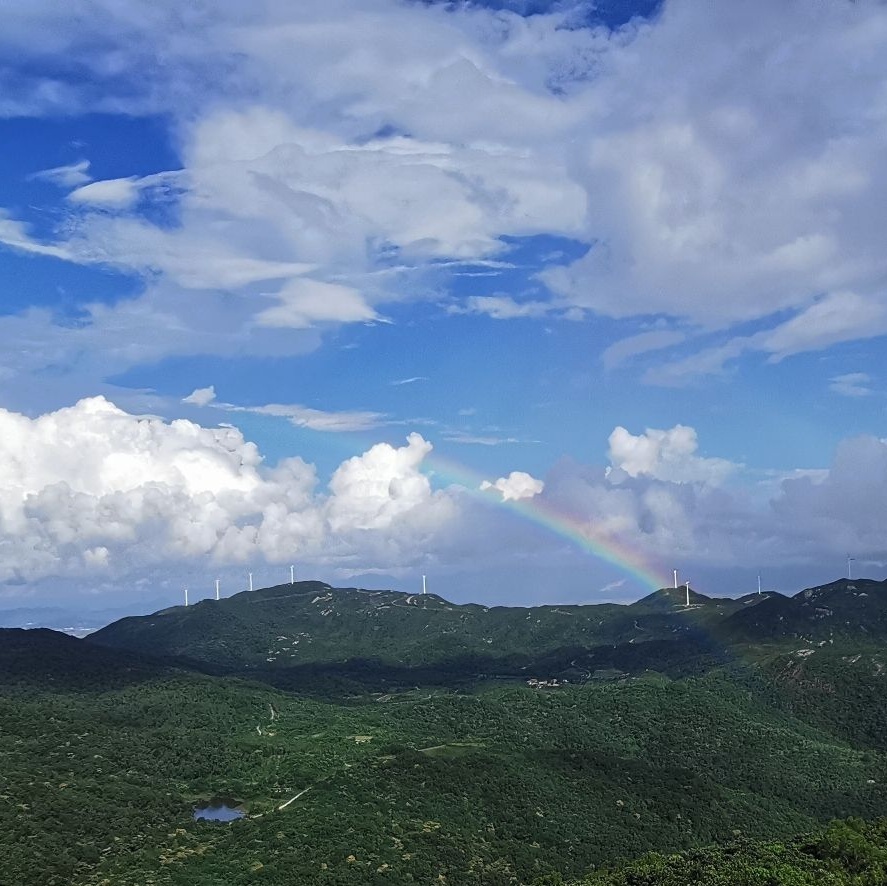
(675, 578)
(759, 584)
(250, 581)
(217, 589)
(186, 596)
(687, 583)
(292, 575)
(849, 561)
(424, 590)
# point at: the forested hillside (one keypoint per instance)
(848, 853)
(462, 745)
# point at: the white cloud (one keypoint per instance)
(160, 322)
(625, 349)
(118, 193)
(371, 490)
(665, 455)
(836, 318)
(201, 396)
(304, 302)
(71, 176)
(851, 384)
(517, 485)
(846, 510)
(317, 137)
(92, 487)
(92, 492)
(15, 235)
(315, 419)
(839, 317)
(741, 190)
(500, 307)
(470, 439)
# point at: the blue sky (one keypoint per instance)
(621, 262)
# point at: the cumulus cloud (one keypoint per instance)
(738, 191)
(93, 492)
(844, 510)
(665, 455)
(370, 490)
(517, 485)
(201, 396)
(92, 487)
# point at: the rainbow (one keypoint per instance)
(538, 511)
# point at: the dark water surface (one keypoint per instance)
(217, 813)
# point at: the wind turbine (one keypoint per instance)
(250, 581)
(675, 578)
(849, 561)
(424, 590)
(687, 583)
(186, 596)
(217, 589)
(759, 584)
(292, 575)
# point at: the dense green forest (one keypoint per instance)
(848, 853)
(432, 763)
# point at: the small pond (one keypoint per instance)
(221, 812)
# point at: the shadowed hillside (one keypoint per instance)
(293, 625)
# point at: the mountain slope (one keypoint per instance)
(507, 785)
(290, 626)
(841, 609)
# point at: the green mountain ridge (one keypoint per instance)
(302, 634)
(395, 626)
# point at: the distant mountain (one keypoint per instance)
(74, 621)
(842, 609)
(309, 623)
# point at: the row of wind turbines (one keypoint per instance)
(293, 581)
(687, 583)
(250, 582)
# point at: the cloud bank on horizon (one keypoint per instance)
(91, 492)
(502, 234)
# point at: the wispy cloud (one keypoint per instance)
(470, 439)
(852, 384)
(314, 419)
(500, 307)
(70, 176)
(643, 343)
